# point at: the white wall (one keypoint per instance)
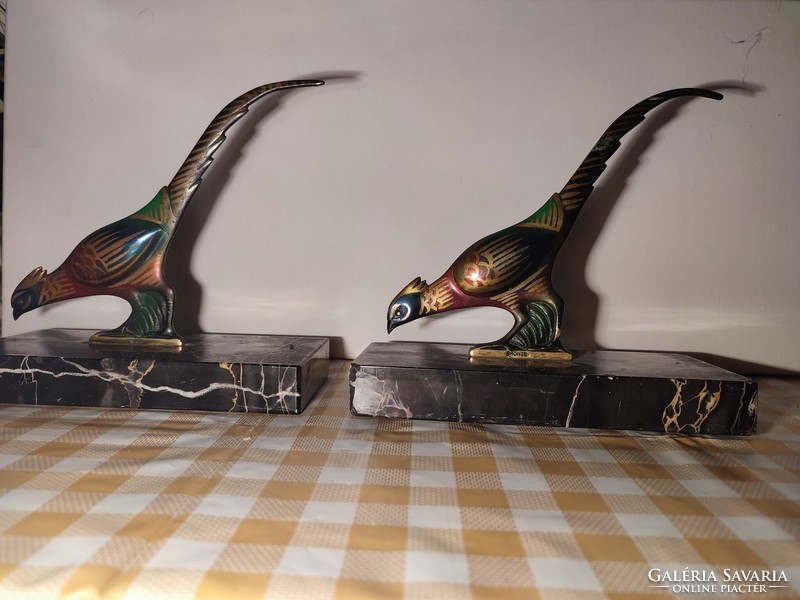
(458, 117)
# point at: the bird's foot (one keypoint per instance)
(535, 338)
(165, 340)
(540, 328)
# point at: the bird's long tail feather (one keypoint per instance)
(188, 178)
(581, 184)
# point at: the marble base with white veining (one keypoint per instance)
(213, 372)
(646, 391)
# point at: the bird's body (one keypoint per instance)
(126, 258)
(511, 269)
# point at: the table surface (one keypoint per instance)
(111, 503)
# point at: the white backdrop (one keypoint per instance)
(442, 122)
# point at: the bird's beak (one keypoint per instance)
(389, 326)
(17, 314)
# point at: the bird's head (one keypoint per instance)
(28, 294)
(407, 305)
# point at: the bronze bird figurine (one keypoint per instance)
(126, 258)
(511, 268)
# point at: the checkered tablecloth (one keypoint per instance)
(99, 503)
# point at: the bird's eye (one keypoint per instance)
(23, 301)
(400, 312)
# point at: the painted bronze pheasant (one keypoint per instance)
(126, 258)
(511, 268)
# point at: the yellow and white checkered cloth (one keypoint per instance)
(101, 503)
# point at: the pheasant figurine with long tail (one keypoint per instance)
(126, 258)
(511, 268)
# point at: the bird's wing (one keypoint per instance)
(535, 285)
(117, 254)
(499, 261)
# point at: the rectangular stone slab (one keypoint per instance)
(647, 391)
(213, 372)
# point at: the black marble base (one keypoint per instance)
(213, 372)
(645, 391)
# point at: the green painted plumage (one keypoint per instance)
(541, 327)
